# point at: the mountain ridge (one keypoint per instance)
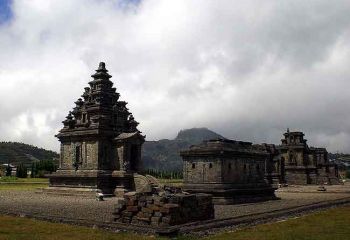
(16, 153)
(164, 154)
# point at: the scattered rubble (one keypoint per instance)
(163, 207)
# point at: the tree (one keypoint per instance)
(8, 170)
(348, 174)
(39, 169)
(21, 171)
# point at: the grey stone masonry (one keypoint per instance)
(163, 210)
(100, 142)
(232, 171)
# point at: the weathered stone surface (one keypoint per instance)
(100, 142)
(232, 171)
(300, 164)
(192, 207)
(142, 184)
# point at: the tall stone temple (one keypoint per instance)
(100, 142)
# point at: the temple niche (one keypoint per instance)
(100, 142)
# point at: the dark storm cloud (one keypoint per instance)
(247, 69)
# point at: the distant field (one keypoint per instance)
(22, 186)
(329, 224)
(23, 180)
(172, 182)
(12, 183)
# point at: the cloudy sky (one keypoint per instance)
(245, 69)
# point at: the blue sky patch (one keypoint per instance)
(5, 10)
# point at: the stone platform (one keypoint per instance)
(89, 212)
(226, 194)
(89, 182)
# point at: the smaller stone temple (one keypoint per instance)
(301, 164)
(100, 143)
(232, 171)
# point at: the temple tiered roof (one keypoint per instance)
(99, 109)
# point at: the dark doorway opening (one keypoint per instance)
(134, 157)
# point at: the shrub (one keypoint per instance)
(347, 175)
(9, 179)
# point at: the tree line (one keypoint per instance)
(164, 174)
(38, 169)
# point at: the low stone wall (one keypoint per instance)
(163, 210)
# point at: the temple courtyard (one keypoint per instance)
(294, 201)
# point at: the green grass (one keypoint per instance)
(171, 182)
(23, 180)
(13, 183)
(15, 228)
(332, 224)
(22, 186)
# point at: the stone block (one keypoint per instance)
(142, 204)
(131, 202)
(169, 207)
(155, 221)
(154, 208)
(158, 214)
(127, 214)
(146, 210)
(144, 219)
(133, 208)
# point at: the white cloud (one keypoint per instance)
(246, 69)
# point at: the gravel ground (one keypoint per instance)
(287, 200)
(31, 203)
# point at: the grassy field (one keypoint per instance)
(15, 228)
(331, 224)
(13, 183)
(22, 186)
(23, 180)
(171, 182)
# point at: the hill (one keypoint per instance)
(160, 155)
(164, 154)
(15, 153)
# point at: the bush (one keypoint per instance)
(9, 179)
(347, 175)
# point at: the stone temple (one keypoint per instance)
(100, 142)
(294, 162)
(232, 171)
(304, 164)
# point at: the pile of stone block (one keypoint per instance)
(162, 209)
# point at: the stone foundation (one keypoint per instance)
(163, 210)
(93, 181)
(234, 193)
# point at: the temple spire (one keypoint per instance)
(101, 72)
(102, 66)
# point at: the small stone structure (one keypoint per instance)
(163, 208)
(100, 143)
(294, 162)
(232, 171)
